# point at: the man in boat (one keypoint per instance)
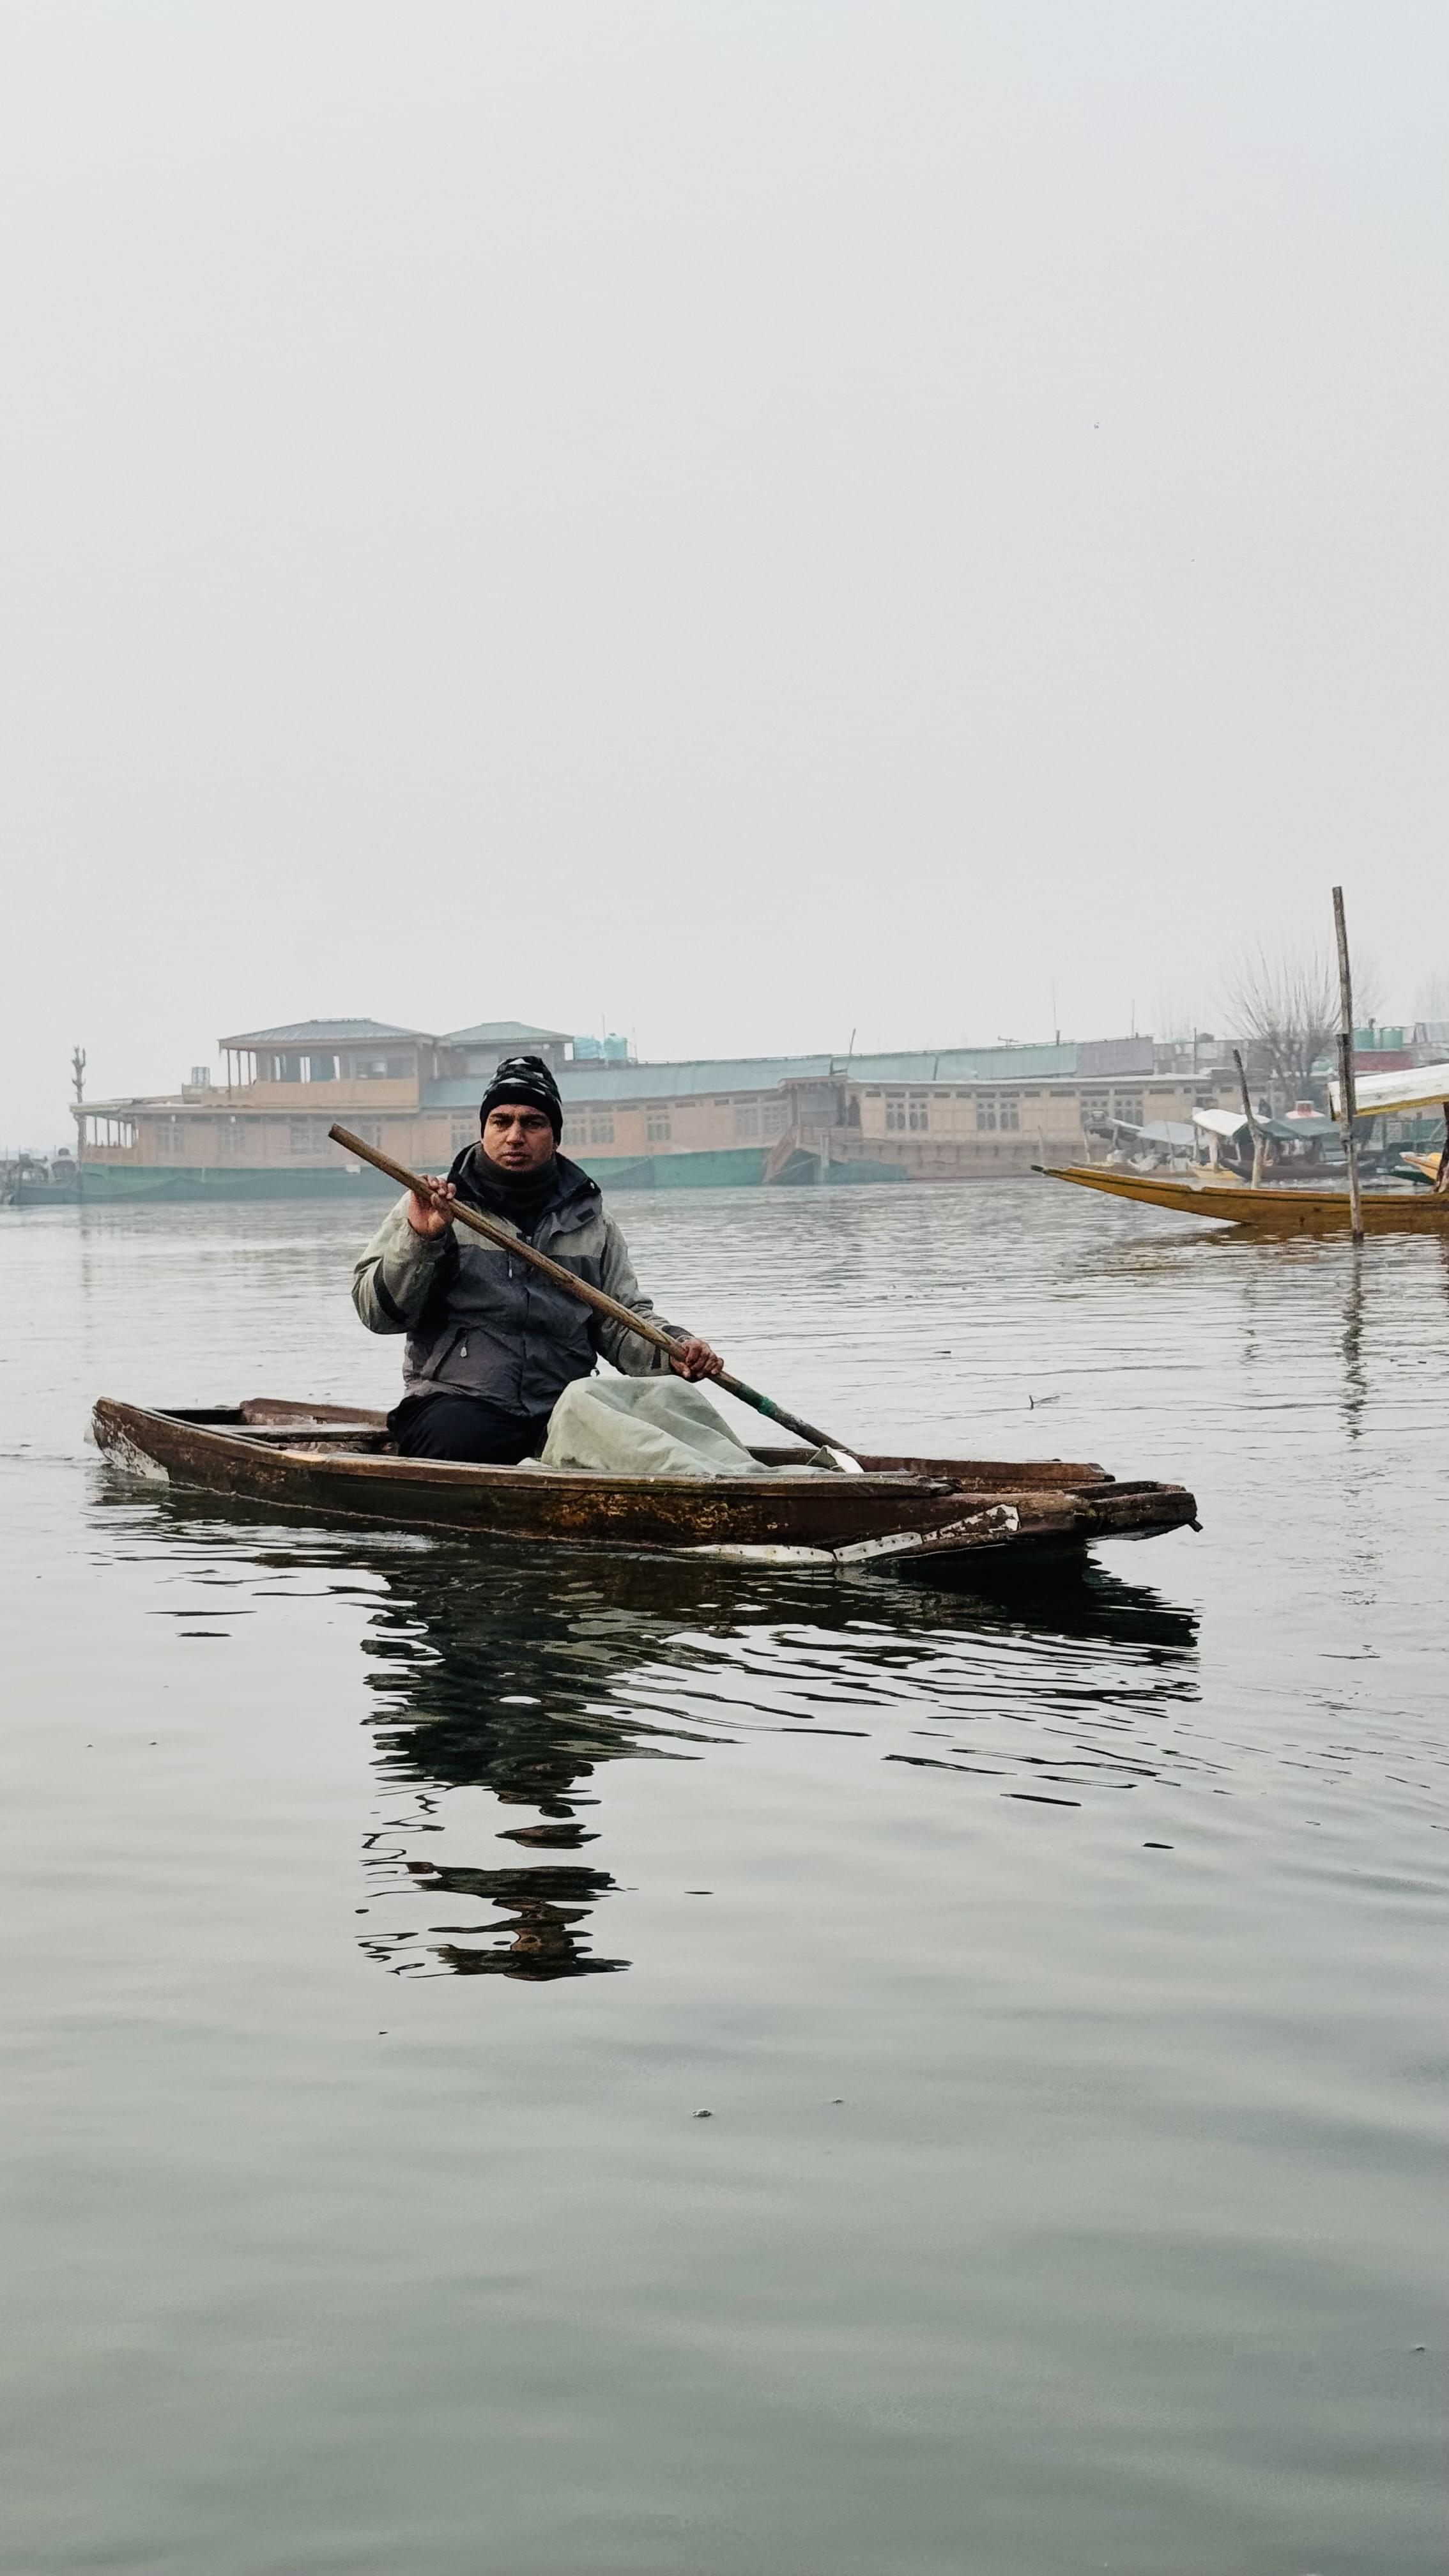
(492, 1342)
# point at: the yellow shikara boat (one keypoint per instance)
(1296, 1210)
(1267, 1211)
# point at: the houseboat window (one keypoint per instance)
(747, 1118)
(985, 1111)
(1127, 1105)
(322, 1068)
(895, 1111)
(168, 1135)
(775, 1118)
(229, 1137)
(1093, 1106)
(601, 1127)
(289, 1068)
(920, 1113)
(1008, 1113)
(305, 1135)
(656, 1127)
(464, 1132)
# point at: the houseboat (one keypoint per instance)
(952, 1114)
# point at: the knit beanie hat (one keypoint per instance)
(525, 1078)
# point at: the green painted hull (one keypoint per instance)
(29, 1194)
(109, 1184)
(106, 1184)
(728, 1167)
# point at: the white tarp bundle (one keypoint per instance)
(1379, 1095)
(646, 1426)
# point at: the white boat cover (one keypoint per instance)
(1379, 1095)
(1286, 1131)
(1158, 1131)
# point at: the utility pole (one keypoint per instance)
(78, 1078)
(1347, 1100)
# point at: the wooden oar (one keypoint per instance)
(595, 1297)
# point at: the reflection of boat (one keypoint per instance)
(501, 1695)
(337, 1459)
(1295, 1210)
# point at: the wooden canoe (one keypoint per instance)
(1267, 1211)
(338, 1461)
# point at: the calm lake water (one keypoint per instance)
(1062, 1970)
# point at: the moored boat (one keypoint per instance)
(901, 1511)
(1293, 1210)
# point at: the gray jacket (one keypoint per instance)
(479, 1322)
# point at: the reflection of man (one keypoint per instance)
(491, 1342)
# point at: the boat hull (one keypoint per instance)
(1265, 1211)
(334, 1460)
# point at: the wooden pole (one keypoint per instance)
(1347, 1098)
(1251, 1115)
(514, 1245)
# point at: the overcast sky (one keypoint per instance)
(747, 522)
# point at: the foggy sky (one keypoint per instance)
(750, 522)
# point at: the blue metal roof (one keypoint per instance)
(503, 1033)
(705, 1077)
(321, 1033)
(698, 1080)
(965, 1064)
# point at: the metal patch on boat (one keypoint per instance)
(1003, 1520)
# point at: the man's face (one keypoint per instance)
(517, 1138)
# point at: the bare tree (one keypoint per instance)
(1284, 1003)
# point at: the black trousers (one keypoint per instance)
(467, 1427)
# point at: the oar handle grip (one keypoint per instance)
(776, 1412)
(580, 1288)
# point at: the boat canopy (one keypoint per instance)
(1159, 1131)
(1379, 1095)
(1290, 1131)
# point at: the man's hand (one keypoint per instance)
(696, 1359)
(433, 1215)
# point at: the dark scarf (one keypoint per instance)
(523, 1197)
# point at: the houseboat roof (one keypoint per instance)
(622, 1082)
(963, 1064)
(504, 1033)
(698, 1077)
(321, 1033)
